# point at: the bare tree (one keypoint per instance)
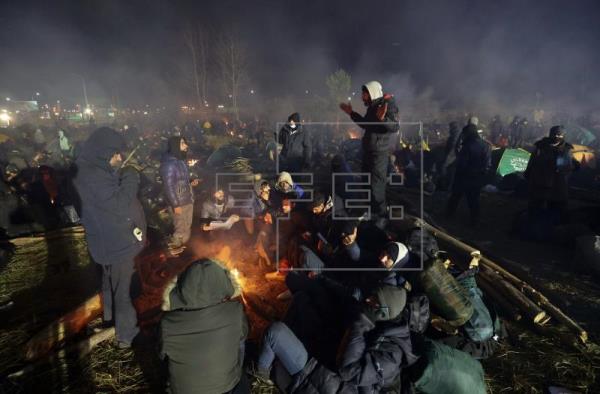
(196, 41)
(231, 61)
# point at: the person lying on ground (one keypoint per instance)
(375, 349)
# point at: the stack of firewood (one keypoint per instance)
(518, 299)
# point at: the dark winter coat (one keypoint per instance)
(377, 136)
(110, 209)
(473, 161)
(370, 363)
(548, 170)
(202, 330)
(176, 181)
(296, 144)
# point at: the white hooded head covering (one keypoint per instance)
(375, 89)
(285, 176)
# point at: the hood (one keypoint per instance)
(295, 117)
(285, 176)
(174, 148)
(205, 283)
(101, 146)
(398, 252)
(375, 90)
(469, 132)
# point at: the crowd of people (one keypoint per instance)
(362, 288)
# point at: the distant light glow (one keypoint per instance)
(4, 117)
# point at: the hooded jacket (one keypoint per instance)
(296, 144)
(377, 132)
(175, 175)
(548, 170)
(370, 363)
(110, 209)
(202, 329)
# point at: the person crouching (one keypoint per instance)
(203, 331)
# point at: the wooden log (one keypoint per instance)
(66, 326)
(81, 348)
(535, 295)
(533, 312)
(509, 310)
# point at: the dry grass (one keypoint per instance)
(526, 363)
(529, 363)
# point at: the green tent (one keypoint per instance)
(579, 135)
(513, 160)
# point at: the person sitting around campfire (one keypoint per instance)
(203, 331)
(261, 213)
(323, 231)
(375, 348)
(393, 258)
(217, 212)
(285, 189)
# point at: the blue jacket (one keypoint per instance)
(110, 209)
(176, 181)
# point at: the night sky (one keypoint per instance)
(458, 51)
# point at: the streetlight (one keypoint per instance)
(8, 99)
(252, 91)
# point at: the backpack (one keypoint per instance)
(430, 245)
(416, 313)
(479, 336)
(443, 369)
(447, 297)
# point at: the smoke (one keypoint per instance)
(437, 57)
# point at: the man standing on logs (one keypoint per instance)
(114, 224)
(380, 121)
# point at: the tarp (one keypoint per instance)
(513, 160)
(580, 135)
(584, 155)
